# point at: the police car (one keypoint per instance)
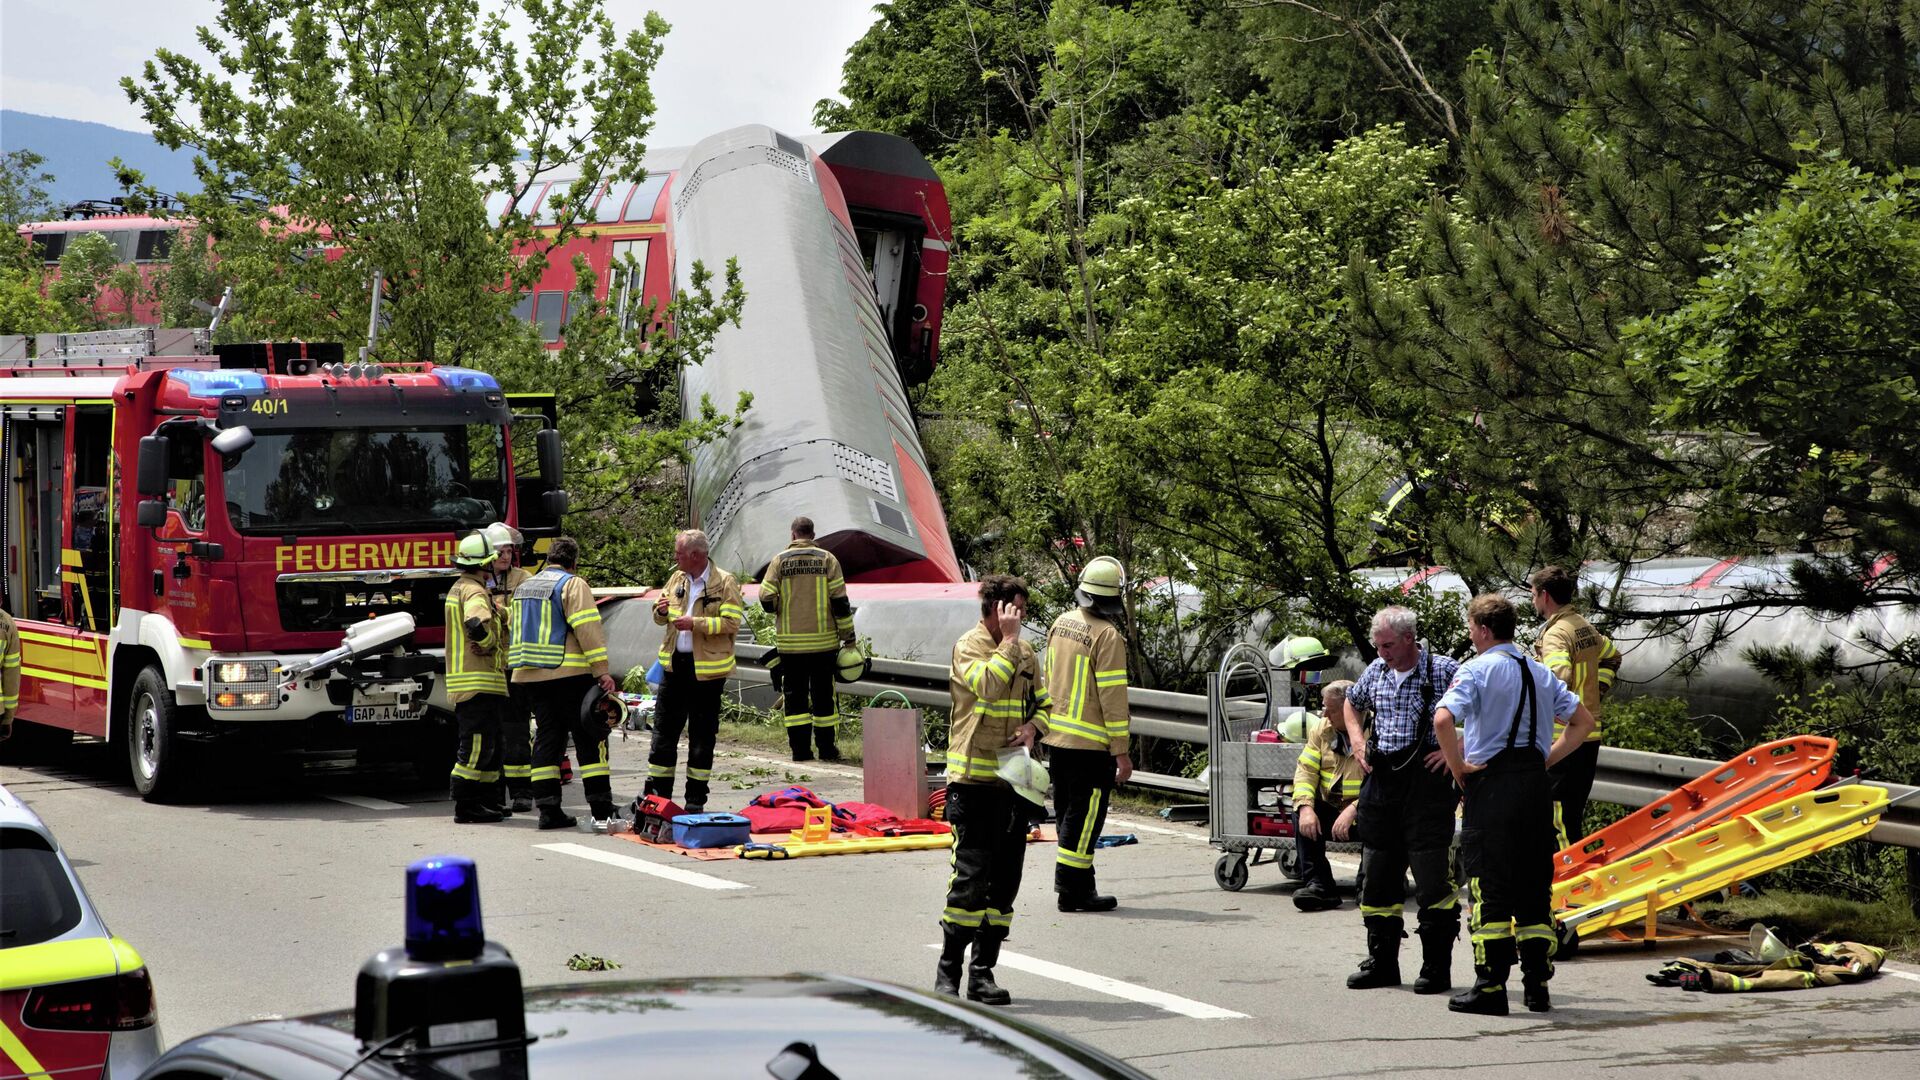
(449, 1006)
(75, 1001)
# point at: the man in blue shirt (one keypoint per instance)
(1406, 806)
(1504, 703)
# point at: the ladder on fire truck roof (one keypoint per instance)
(104, 348)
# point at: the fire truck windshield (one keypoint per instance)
(360, 480)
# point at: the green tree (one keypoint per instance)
(370, 131)
(1798, 351)
(1607, 142)
(191, 274)
(369, 134)
(90, 280)
(23, 188)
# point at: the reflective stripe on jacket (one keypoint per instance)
(1583, 657)
(1324, 773)
(1087, 682)
(714, 624)
(990, 683)
(474, 661)
(807, 594)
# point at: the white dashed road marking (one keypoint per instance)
(628, 862)
(1087, 980)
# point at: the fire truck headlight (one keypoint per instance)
(242, 671)
(252, 699)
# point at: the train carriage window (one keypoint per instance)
(550, 314)
(125, 243)
(523, 308)
(601, 207)
(155, 245)
(529, 203)
(497, 206)
(50, 245)
(645, 194)
(626, 285)
(548, 215)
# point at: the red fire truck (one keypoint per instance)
(248, 544)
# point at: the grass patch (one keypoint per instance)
(772, 738)
(1800, 917)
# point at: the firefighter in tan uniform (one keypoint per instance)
(997, 702)
(9, 674)
(559, 653)
(807, 595)
(1087, 727)
(476, 681)
(516, 744)
(1326, 797)
(701, 608)
(1587, 661)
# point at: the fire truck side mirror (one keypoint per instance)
(555, 504)
(152, 478)
(150, 513)
(548, 442)
(232, 443)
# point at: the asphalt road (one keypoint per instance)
(266, 902)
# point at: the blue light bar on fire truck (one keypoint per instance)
(214, 384)
(457, 378)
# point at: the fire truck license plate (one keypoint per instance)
(381, 714)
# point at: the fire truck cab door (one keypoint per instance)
(531, 413)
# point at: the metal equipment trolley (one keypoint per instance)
(1249, 778)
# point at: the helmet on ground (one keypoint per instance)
(1101, 585)
(503, 536)
(473, 551)
(851, 665)
(1299, 653)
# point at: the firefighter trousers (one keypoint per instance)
(806, 683)
(516, 744)
(1082, 789)
(1572, 778)
(1312, 853)
(476, 763)
(1406, 823)
(989, 824)
(1506, 849)
(692, 705)
(557, 704)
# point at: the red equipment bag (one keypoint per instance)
(653, 818)
(893, 826)
(1269, 825)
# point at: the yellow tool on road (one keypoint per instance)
(848, 845)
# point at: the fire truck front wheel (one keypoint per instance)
(154, 748)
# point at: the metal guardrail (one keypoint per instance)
(1628, 777)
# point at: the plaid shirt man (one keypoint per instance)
(1397, 710)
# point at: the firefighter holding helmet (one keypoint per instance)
(476, 682)
(516, 745)
(1088, 738)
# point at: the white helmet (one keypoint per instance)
(503, 536)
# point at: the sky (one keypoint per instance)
(727, 62)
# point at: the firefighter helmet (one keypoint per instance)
(1101, 584)
(473, 551)
(851, 665)
(503, 536)
(1300, 653)
(609, 709)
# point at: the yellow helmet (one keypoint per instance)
(1101, 584)
(473, 551)
(851, 665)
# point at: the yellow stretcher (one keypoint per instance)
(845, 845)
(1641, 886)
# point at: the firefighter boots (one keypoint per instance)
(1383, 950)
(953, 957)
(800, 741)
(1087, 901)
(552, 817)
(1488, 994)
(1436, 961)
(523, 804)
(473, 812)
(1314, 896)
(1536, 967)
(823, 736)
(980, 984)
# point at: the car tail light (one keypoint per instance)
(115, 1003)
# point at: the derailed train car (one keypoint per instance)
(842, 252)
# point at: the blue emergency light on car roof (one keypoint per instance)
(213, 384)
(443, 909)
(458, 378)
